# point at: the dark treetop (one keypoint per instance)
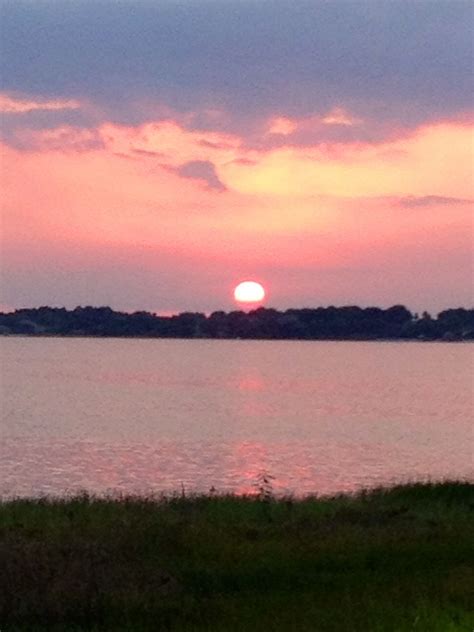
(321, 323)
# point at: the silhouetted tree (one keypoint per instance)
(321, 323)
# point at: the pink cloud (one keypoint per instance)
(64, 138)
(283, 130)
(282, 126)
(431, 201)
(15, 105)
(339, 116)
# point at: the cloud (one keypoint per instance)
(339, 116)
(63, 139)
(282, 126)
(431, 200)
(334, 126)
(12, 105)
(148, 153)
(413, 165)
(170, 140)
(201, 170)
(237, 62)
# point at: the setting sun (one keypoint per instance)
(249, 292)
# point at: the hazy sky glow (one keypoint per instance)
(154, 154)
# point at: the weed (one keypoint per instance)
(389, 560)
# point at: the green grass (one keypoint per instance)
(387, 560)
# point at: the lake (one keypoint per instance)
(135, 415)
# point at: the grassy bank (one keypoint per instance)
(392, 560)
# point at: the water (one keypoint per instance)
(158, 415)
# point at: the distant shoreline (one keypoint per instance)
(208, 339)
(350, 323)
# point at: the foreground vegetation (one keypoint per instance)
(388, 560)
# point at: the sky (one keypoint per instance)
(156, 153)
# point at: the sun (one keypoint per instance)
(249, 292)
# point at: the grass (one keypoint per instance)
(387, 560)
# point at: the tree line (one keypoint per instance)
(321, 323)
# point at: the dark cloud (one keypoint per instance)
(212, 145)
(13, 125)
(244, 161)
(67, 139)
(399, 62)
(149, 154)
(201, 170)
(430, 200)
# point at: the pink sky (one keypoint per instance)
(343, 223)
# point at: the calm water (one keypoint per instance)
(153, 415)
